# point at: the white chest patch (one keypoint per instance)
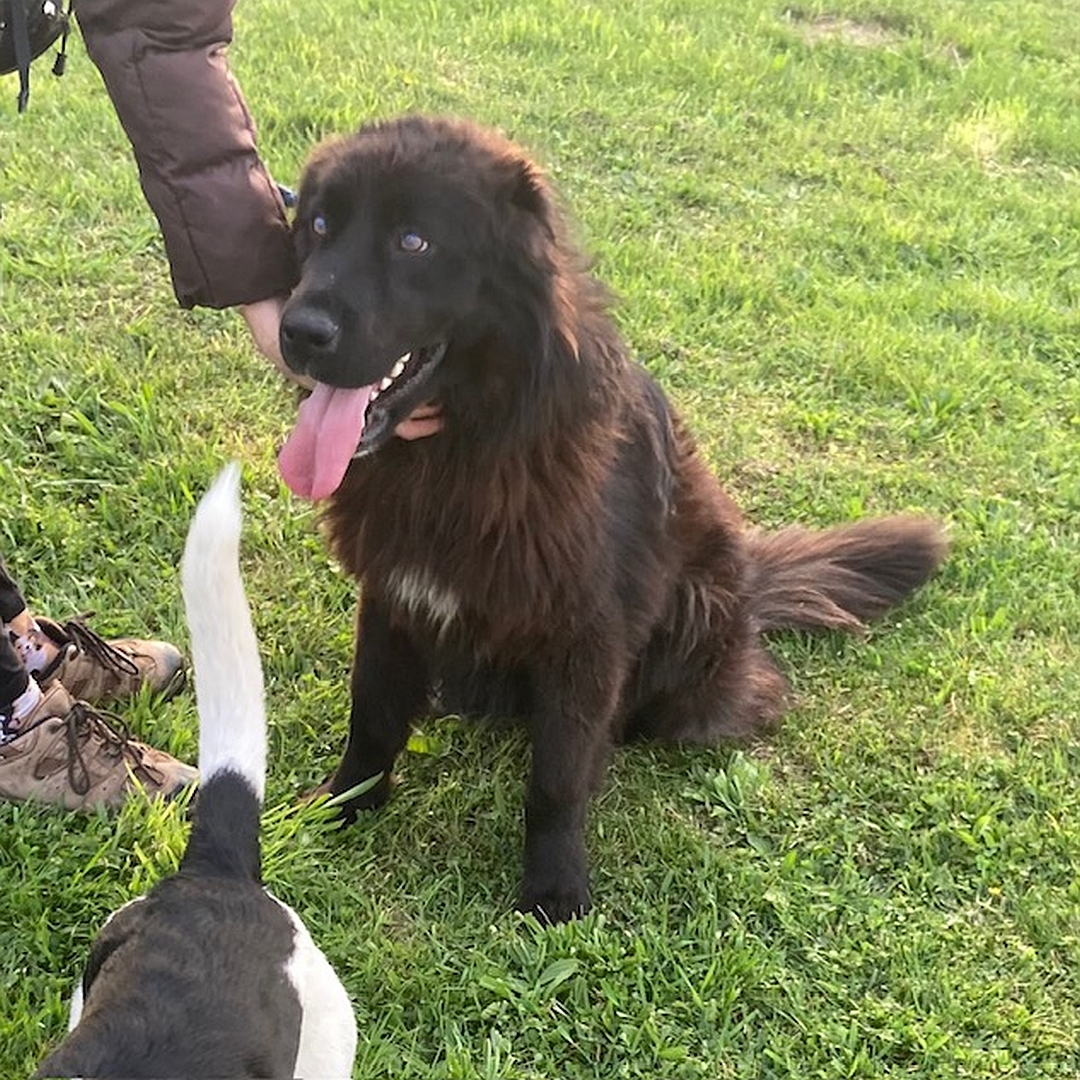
(423, 597)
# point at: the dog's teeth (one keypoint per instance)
(395, 371)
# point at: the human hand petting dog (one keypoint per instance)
(423, 421)
(263, 320)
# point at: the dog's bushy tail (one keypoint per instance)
(840, 578)
(228, 689)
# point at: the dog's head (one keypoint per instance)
(409, 234)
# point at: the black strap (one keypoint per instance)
(61, 57)
(20, 38)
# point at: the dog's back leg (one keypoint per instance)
(724, 687)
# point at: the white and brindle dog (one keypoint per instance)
(208, 975)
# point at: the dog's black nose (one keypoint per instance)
(308, 334)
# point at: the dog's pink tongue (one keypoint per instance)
(316, 455)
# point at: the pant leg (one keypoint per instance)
(11, 597)
(13, 677)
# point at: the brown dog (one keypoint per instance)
(560, 550)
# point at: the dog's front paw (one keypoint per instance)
(348, 800)
(555, 901)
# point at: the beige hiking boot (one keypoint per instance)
(93, 669)
(66, 753)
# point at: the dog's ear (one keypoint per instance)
(533, 194)
(530, 192)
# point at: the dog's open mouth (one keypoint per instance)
(397, 395)
(337, 423)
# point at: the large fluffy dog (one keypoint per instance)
(208, 975)
(559, 550)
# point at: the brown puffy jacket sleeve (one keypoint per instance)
(163, 62)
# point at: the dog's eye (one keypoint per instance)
(413, 243)
(318, 225)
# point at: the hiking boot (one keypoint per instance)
(67, 753)
(93, 669)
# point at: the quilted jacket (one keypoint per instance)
(221, 215)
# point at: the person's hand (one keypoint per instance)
(263, 320)
(423, 421)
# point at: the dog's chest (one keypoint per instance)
(417, 592)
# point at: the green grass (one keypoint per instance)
(850, 249)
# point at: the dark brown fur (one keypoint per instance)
(599, 582)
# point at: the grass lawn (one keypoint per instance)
(847, 241)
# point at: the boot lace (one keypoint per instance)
(95, 646)
(83, 725)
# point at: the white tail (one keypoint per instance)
(224, 650)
